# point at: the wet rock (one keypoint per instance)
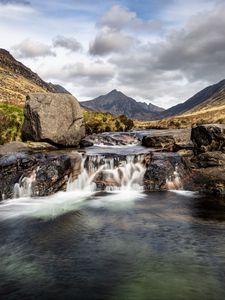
(156, 175)
(165, 172)
(51, 171)
(178, 147)
(85, 143)
(210, 159)
(113, 139)
(210, 180)
(165, 142)
(207, 138)
(54, 118)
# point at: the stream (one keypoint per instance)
(118, 243)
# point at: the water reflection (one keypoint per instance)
(160, 247)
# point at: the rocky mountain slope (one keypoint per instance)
(16, 80)
(118, 103)
(208, 98)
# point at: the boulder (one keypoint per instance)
(210, 180)
(53, 118)
(210, 159)
(165, 172)
(208, 162)
(47, 173)
(207, 138)
(165, 142)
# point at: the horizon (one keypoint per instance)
(159, 52)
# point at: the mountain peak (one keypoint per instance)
(117, 103)
(114, 92)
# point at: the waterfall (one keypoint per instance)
(99, 172)
(24, 187)
(174, 182)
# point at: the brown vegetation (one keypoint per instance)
(206, 115)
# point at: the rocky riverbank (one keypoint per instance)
(195, 162)
(197, 165)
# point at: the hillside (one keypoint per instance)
(118, 103)
(16, 80)
(209, 97)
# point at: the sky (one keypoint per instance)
(157, 51)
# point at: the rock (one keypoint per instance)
(165, 172)
(157, 174)
(51, 172)
(210, 159)
(112, 139)
(53, 118)
(178, 147)
(14, 147)
(208, 162)
(166, 142)
(85, 143)
(207, 138)
(209, 180)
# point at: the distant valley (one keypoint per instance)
(118, 103)
(16, 81)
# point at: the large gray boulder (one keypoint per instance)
(53, 118)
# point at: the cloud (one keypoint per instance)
(120, 17)
(110, 41)
(89, 72)
(67, 42)
(32, 49)
(14, 2)
(198, 50)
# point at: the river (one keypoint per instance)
(121, 243)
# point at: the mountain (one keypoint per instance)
(209, 97)
(58, 88)
(118, 103)
(16, 80)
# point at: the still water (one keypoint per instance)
(117, 245)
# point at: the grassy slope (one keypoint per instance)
(14, 87)
(203, 115)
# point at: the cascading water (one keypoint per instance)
(110, 173)
(174, 182)
(24, 187)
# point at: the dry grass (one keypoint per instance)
(14, 88)
(203, 116)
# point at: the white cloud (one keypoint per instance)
(120, 17)
(69, 43)
(32, 49)
(110, 41)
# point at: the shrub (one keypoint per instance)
(96, 122)
(11, 120)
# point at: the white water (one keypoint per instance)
(24, 187)
(174, 182)
(120, 177)
(117, 173)
(125, 174)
